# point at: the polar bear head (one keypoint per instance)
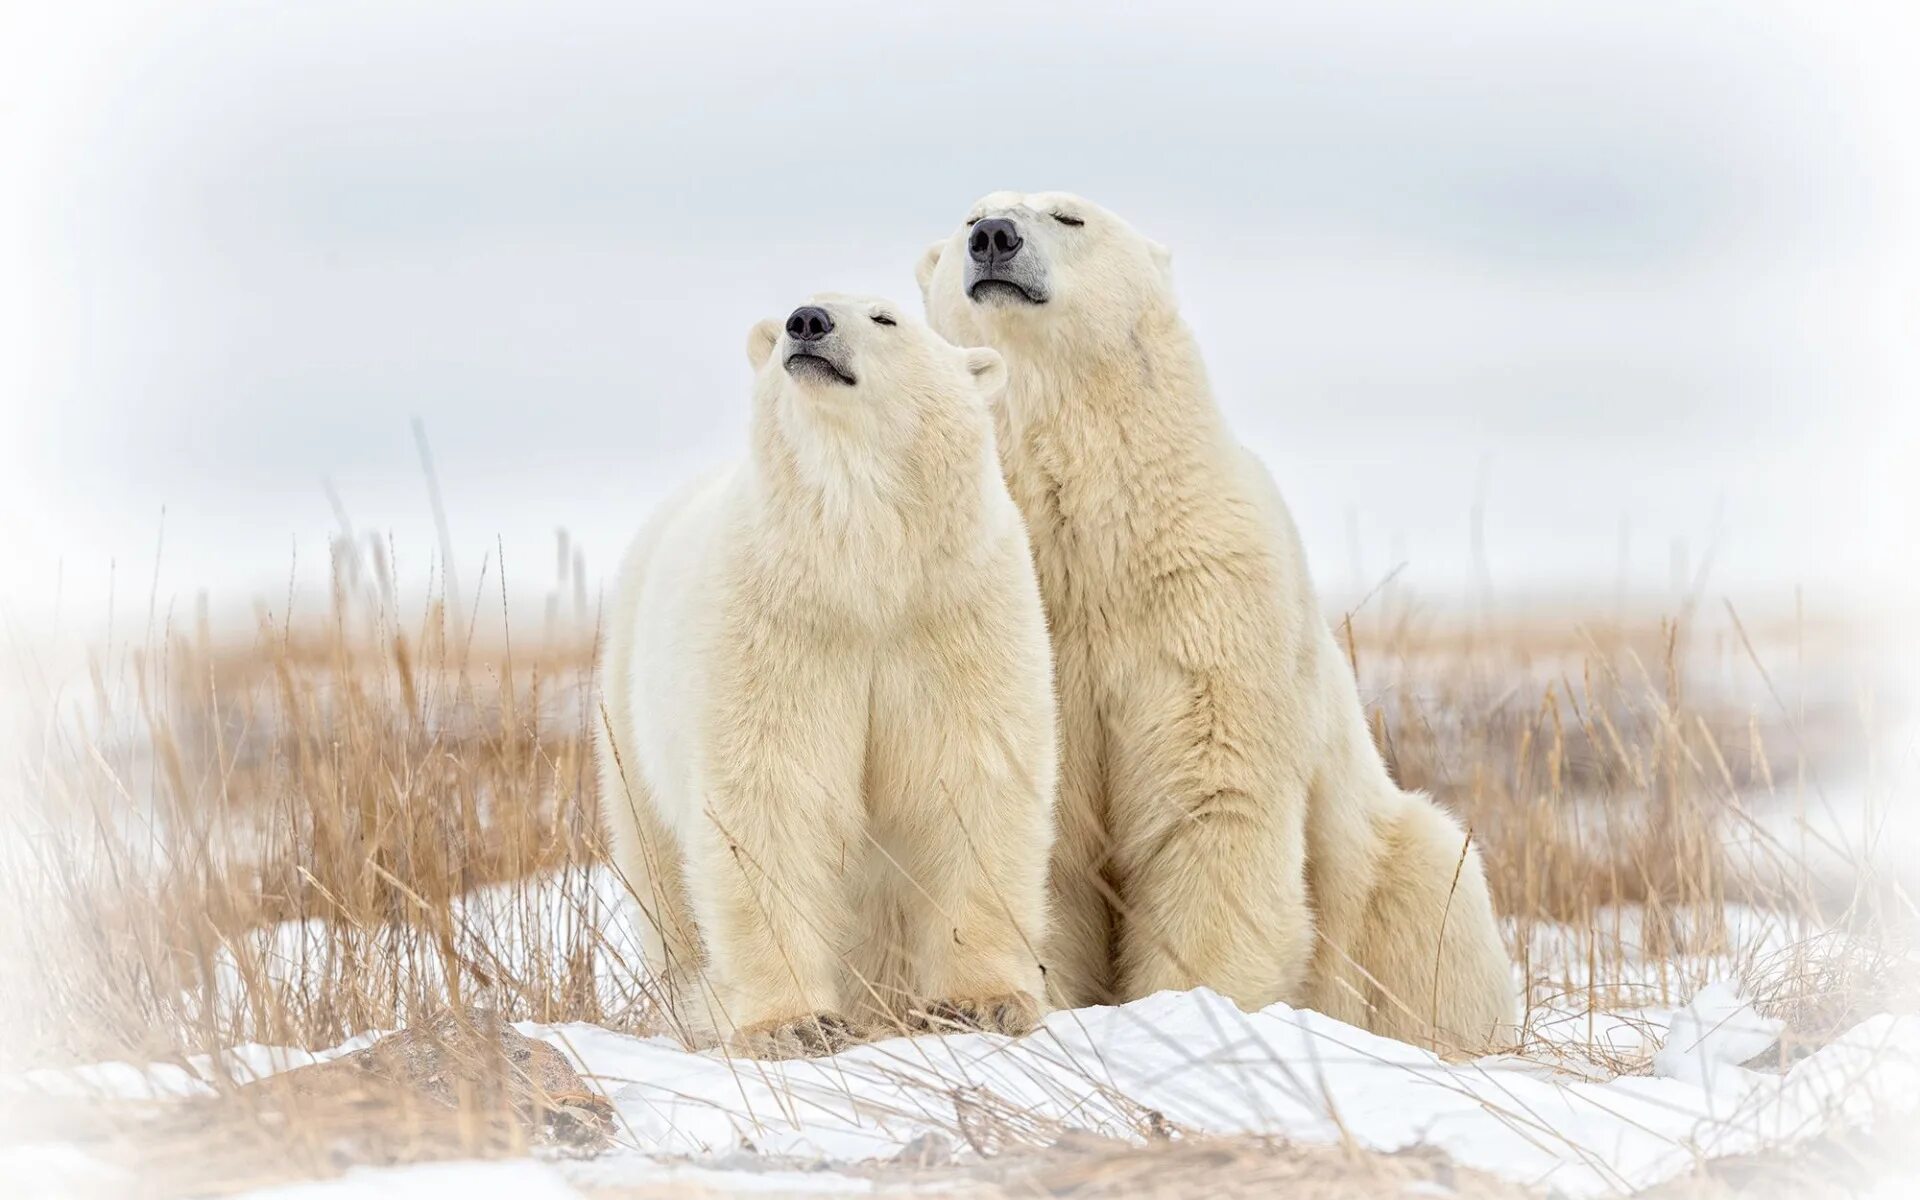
(864, 355)
(1044, 268)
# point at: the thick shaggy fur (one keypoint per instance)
(828, 753)
(1225, 818)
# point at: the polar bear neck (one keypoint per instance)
(1109, 451)
(1150, 381)
(887, 484)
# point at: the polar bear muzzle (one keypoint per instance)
(817, 354)
(1001, 267)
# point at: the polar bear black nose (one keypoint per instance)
(809, 324)
(995, 239)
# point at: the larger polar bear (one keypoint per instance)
(1225, 818)
(828, 750)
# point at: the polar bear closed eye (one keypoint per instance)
(827, 753)
(1224, 816)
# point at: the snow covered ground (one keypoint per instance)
(1188, 1061)
(1563, 1118)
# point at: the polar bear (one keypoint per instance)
(827, 752)
(1225, 818)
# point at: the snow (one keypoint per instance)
(57, 1169)
(1191, 1057)
(1206, 1066)
(163, 1081)
(522, 1179)
(1717, 1030)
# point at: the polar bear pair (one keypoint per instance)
(831, 776)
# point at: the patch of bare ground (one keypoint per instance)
(463, 1086)
(1225, 1168)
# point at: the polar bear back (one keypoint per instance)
(673, 587)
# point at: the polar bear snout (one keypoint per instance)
(809, 323)
(815, 353)
(995, 239)
(1000, 268)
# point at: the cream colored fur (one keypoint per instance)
(1225, 818)
(828, 753)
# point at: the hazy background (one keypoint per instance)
(1633, 279)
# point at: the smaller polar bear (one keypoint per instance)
(1225, 818)
(827, 751)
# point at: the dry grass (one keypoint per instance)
(1629, 782)
(277, 838)
(357, 774)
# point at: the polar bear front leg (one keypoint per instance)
(1079, 952)
(780, 828)
(962, 784)
(1208, 818)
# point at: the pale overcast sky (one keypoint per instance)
(1616, 266)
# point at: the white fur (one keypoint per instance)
(828, 758)
(1225, 818)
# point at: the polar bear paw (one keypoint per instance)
(808, 1036)
(1011, 1013)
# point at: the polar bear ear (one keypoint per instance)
(929, 259)
(988, 369)
(1162, 260)
(760, 340)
